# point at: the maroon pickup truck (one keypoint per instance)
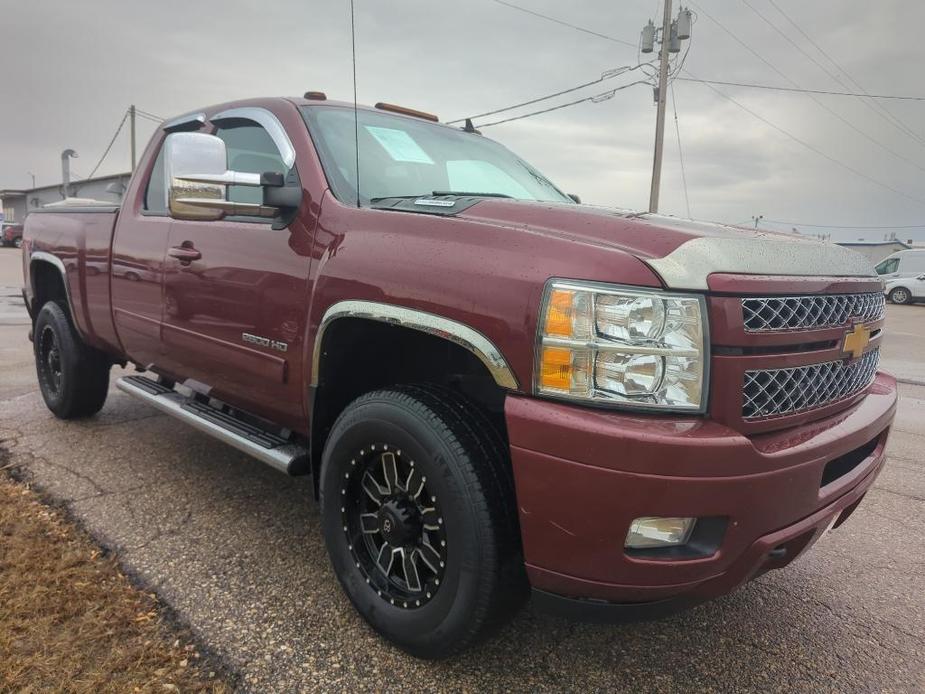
(496, 389)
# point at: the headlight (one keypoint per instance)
(607, 344)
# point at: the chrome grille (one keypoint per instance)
(776, 392)
(808, 312)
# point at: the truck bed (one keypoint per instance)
(77, 241)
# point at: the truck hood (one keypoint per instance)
(683, 253)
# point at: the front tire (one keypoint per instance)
(73, 377)
(419, 519)
(901, 295)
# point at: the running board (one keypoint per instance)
(265, 446)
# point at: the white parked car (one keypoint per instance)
(906, 290)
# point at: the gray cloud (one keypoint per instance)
(72, 68)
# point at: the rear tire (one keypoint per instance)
(901, 295)
(420, 519)
(73, 377)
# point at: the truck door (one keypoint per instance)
(138, 245)
(236, 290)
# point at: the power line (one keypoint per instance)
(146, 116)
(148, 113)
(109, 146)
(677, 129)
(828, 72)
(791, 41)
(894, 120)
(563, 23)
(597, 98)
(767, 122)
(800, 90)
(818, 151)
(606, 75)
(819, 103)
(844, 226)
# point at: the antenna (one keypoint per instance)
(356, 120)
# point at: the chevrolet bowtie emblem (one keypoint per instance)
(856, 341)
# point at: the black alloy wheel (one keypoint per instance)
(49, 360)
(394, 527)
(420, 519)
(73, 377)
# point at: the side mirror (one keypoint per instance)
(196, 175)
(575, 198)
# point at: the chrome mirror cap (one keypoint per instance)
(188, 158)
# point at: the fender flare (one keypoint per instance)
(57, 263)
(458, 333)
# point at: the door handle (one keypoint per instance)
(185, 254)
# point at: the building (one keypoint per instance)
(875, 251)
(17, 204)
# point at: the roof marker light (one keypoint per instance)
(407, 111)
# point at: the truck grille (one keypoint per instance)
(808, 312)
(775, 392)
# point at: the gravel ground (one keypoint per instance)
(234, 547)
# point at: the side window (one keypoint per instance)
(155, 195)
(250, 150)
(887, 266)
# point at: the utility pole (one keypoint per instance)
(757, 219)
(660, 117)
(33, 179)
(672, 33)
(131, 114)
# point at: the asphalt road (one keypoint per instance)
(234, 547)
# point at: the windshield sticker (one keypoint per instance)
(435, 203)
(399, 145)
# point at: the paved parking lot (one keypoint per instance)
(235, 548)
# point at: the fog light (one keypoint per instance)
(650, 532)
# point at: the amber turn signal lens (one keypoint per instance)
(556, 368)
(559, 313)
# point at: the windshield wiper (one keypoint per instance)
(461, 194)
(398, 197)
(454, 193)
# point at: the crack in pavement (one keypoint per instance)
(913, 497)
(166, 532)
(891, 519)
(813, 600)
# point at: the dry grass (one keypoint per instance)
(69, 619)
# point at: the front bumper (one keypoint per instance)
(583, 475)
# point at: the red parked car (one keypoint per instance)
(11, 235)
(495, 388)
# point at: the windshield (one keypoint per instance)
(405, 157)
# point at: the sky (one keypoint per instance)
(70, 70)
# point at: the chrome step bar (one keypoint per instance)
(266, 447)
